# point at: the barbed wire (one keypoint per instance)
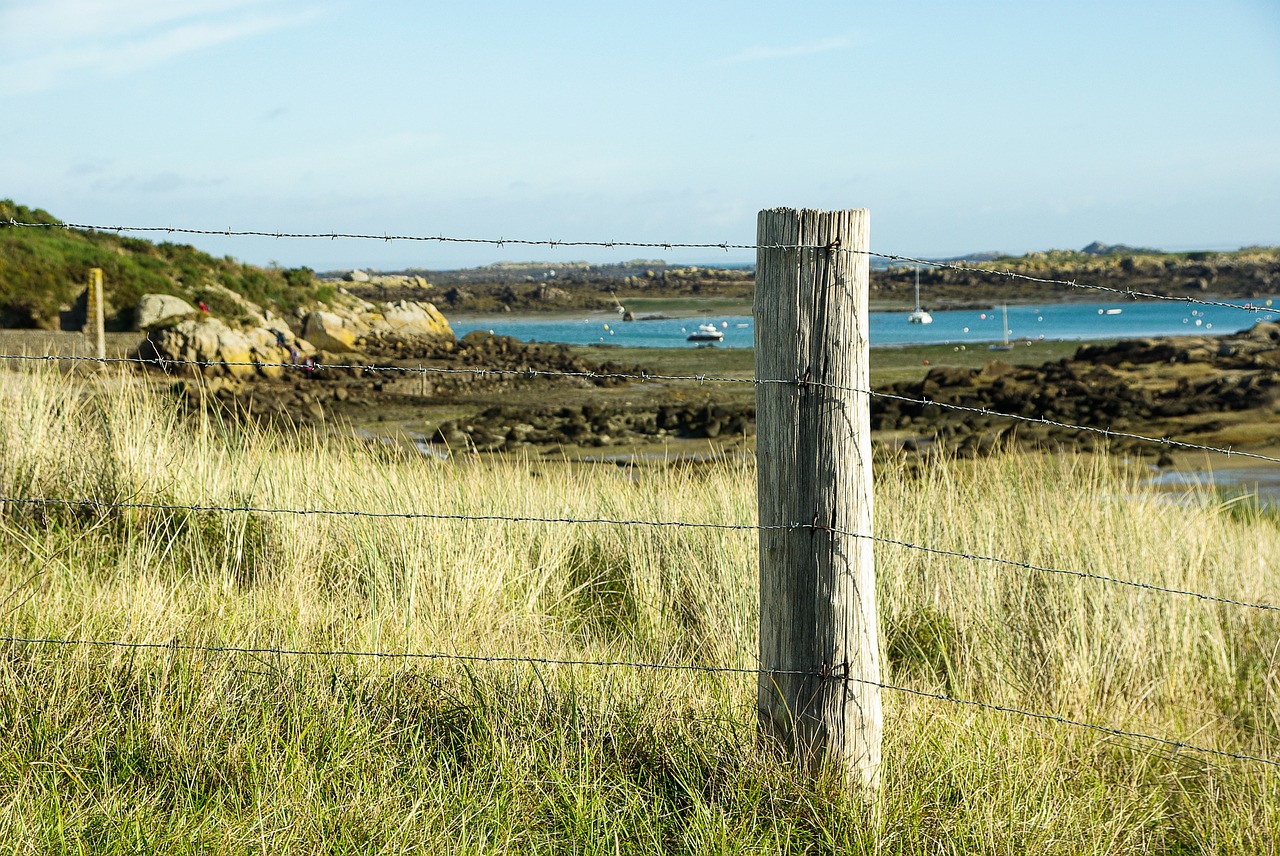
(609, 521)
(164, 362)
(825, 674)
(388, 515)
(434, 239)
(1106, 432)
(1062, 720)
(1110, 433)
(1127, 293)
(1086, 575)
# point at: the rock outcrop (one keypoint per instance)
(1191, 384)
(332, 332)
(248, 353)
(503, 428)
(1192, 387)
(376, 327)
(156, 309)
(244, 310)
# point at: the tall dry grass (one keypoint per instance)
(115, 749)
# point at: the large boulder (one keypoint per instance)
(252, 352)
(330, 331)
(410, 318)
(155, 309)
(361, 326)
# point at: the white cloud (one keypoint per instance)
(58, 20)
(52, 42)
(763, 54)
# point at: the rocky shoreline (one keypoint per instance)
(483, 394)
(399, 361)
(1196, 388)
(1214, 389)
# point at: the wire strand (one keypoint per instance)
(1085, 575)
(163, 362)
(684, 667)
(1128, 293)
(386, 515)
(1105, 432)
(609, 521)
(1167, 442)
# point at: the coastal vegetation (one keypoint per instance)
(43, 272)
(193, 749)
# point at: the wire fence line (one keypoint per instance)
(826, 674)
(1084, 575)
(393, 515)
(648, 377)
(1127, 293)
(1037, 420)
(607, 521)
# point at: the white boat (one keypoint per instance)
(706, 333)
(1004, 325)
(918, 315)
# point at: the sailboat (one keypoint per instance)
(1004, 325)
(918, 315)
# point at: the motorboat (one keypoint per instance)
(706, 333)
(918, 315)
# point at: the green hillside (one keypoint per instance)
(43, 273)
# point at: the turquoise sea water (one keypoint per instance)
(1074, 321)
(1052, 321)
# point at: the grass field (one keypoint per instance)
(127, 750)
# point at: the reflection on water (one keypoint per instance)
(1261, 481)
(404, 442)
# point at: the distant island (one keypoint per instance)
(962, 281)
(43, 271)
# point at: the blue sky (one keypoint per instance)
(963, 126)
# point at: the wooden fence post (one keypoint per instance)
(95, 316)
(813, 450)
